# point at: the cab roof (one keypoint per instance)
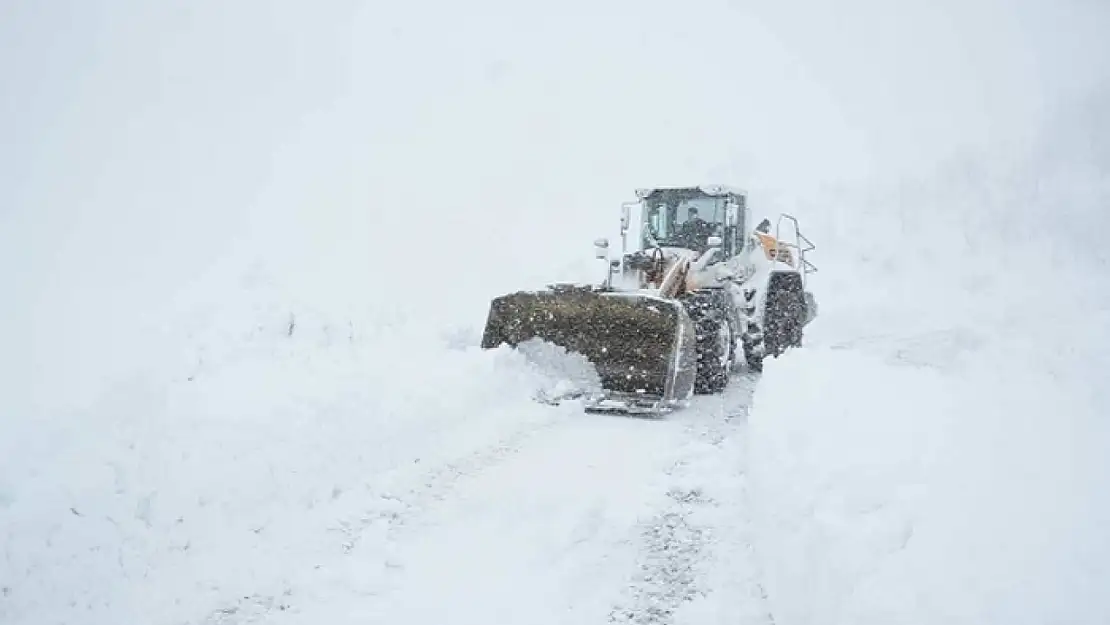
(715, 190)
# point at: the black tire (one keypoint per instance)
(753, 348)
(784, 314)
(716, 339)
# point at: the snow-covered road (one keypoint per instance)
(569, 518)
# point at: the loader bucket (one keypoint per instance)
(641, 346)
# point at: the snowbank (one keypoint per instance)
(841, 449)
(938, 451)
(889, 491)
(259, 446)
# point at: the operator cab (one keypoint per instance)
(687, 217)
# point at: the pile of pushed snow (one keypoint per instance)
(260, 443)
(842, 445)
(937, 452)
(912, 487)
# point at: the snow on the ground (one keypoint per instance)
(937, 453)
(897, 487)
(305, 477)
(192, 493)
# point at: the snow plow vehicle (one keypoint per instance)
(695, 291)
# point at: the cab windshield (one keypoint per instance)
(682, 219)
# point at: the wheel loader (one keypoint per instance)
(695, 292)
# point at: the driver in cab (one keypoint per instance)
(696, 231)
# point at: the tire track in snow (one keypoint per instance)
(696, 561)
(422, 490)
(667, 577)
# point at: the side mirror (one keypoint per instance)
(626, 216)
(714, 241)
(601, 249)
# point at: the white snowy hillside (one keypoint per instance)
(247, 251)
